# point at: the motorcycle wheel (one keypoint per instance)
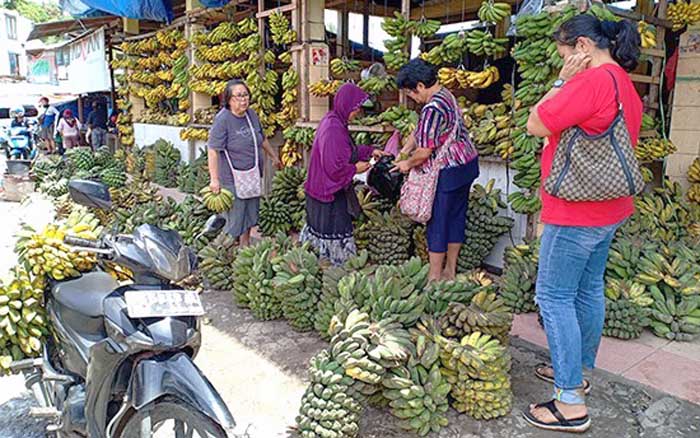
(170, 419)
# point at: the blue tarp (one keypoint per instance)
(213, 3)
(156, 10)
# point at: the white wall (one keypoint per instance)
(146, 134)
(7, 46)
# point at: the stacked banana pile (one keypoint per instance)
(284, 209)
(489, 127)
(653, 149)
(242, 268)
(154, 213)
(330, 292)
(194, 177)
(493, 12)
(395, 292)
(626, 309)
(458, 77)
(484, 225)
(167, 161)
(205, 116)
(517, 284)
(188, 219)
(194, 134)
(216, 262)
(229, 50)
(289, 113)
(477, 367)
(441, 294)
(298, 285)
(263, 90)
(217, 202)
(386, 237)
(683, 13)
(487, 313)
(694, 179)
(262, 298)
(22, 317)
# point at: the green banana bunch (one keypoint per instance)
(674, 317)
(487, 313)
(525, 202)
(376, 85)
(280, 29)
(517, 284)
(387, 238)
(626, 309)
(217, 202)
(492, 12)
(216, 262)
(342, 66)
(426, 28)
(298, 286)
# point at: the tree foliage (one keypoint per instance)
(37, 12)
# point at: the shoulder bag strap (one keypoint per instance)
(617, 91)
(255, 144)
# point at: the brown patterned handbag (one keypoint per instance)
(595, 167)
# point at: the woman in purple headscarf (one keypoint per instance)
(331, 202)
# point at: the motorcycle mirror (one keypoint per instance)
(213, 225)
(90, 194)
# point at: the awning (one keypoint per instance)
(74, 25)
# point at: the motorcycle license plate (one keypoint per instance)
(162, 303)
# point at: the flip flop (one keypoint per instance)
(586, 384)
(575, 425)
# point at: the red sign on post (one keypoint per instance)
(319, 56)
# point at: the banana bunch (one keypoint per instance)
(324, 88)
(280, 29)
(458, 77)
(648, 122)
(223, 71)
(487, 313)
(528, 168)
(226, 31)
(683, 13)
(400, 117)
(450, 50)
(694, 179)
(188, 219)
(478, 369)
(81, 158)
(241, 270)
(289, 113)
(205, 116)
(45, 253)
(398, 28)
(540, 25)
(525, 202)
(652, 149)
(493, 12)
(375, 85)
(194, 134)
(290, 154)
(484, 226)
(216, 262)
(626, 309)
(387, 237)
(395, 292)
(674, 317)
(663, 215)
(398, 25)
(418, 391)
(22, 317)
(425, 28)
(169, 39)
(217, 202)
(285, 189)
(517, 284)
(113, 177)
(54, 187)
(328, 407)
(195, 176)
(297, 283)
(330, 293)
(181, 76)
(275, 216)
(118, 272)
(489, 127)
(167, 163)
(301, 136)
(152, 116)
(261, 295)
(523, 142)
(482, 42)
(145, 77)
(229, 50)
(673, 267)
(647, 33)
(441, 294)
(343, 66)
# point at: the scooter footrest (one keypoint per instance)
(41, 412)
(25, 364)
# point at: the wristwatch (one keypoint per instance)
(558, 83)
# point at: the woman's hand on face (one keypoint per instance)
(361, 167)
(215, 186)
(573, 65)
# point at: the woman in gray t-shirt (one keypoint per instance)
(231, 133)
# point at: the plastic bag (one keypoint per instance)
(529, 7)
(386, 183)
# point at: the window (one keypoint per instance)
(11, 26)
(14, 64)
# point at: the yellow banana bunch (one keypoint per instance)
(647, 33)
(194, 134)
(343, 66)
(280, 29)
(491, 12)
(694, 171)
(652, 149)
(212, 88)
(324, 88)
(217, 202)
(683, 13)
(290, 154)
(457, 77)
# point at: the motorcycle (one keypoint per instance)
(17, 144)
(118, 362)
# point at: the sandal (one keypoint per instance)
(576, 425)
(538, 372)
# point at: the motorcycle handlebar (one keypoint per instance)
(86, 243)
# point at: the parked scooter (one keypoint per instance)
(119, 359)
(17, 142)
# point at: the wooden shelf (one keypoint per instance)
(656, 53)
(648, 134)
(644, 79)
(286, 8)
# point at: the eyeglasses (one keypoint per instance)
(241, 96)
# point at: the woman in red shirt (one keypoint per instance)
(577, 235)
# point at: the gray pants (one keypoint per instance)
(98, 137)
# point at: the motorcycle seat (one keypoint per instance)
(86, 294)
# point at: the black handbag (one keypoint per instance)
(386, 183)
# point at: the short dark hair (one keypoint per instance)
(44, 98)
(417, 70)
(228, 93)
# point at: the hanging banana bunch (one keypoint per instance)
(324, 87)
(460, 78)
(280, 29)
(491, 12)
(425, 28)
(481, 42)
(683, 13)
(342, 66)
(647, 33)
(399, 29)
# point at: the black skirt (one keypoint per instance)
(329, 219)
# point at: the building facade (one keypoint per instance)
(14, 30)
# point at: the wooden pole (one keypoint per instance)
(406, 12)
(365, 31)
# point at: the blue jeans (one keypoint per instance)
(570, 294)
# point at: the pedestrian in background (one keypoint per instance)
(97, 125)
(69, 128)
(48, 116)
(593, 87)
